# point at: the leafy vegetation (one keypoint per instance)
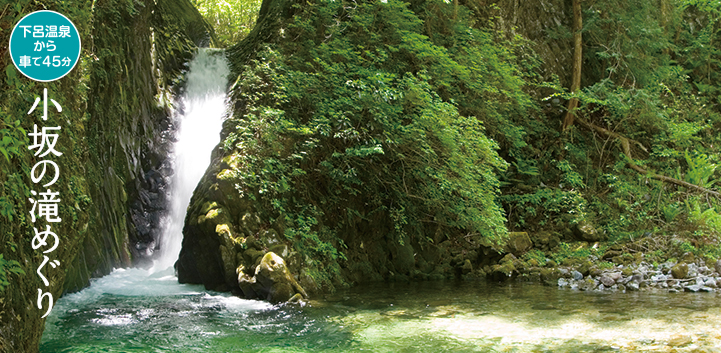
(363, 122)
(428, 118)
(232, 20)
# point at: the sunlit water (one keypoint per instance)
(121, 314)
(147, 310)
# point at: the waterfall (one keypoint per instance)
(200, 116)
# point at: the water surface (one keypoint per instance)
(126, 312)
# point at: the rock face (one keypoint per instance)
(112, 141)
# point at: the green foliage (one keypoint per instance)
(363, 123)
(8, 267)
(568, 251)
(535, 254)
(700, 170)
(231, 19)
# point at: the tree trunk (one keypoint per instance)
(577, 61)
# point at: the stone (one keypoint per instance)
(680, 341)
(562, 282)
(519, 243)
(692, 288)
(607, 280)
(588, 284)
(688, 258)
(576, 275)
(616, 276)
(549, 276)
(251, 223)
(585, 268)
(273, 276)
(632, 286)
(680, 271)
(711, 282)
(585, 231)
(467, 267)
(502, 271)
(717, 266)
(246, 284)
(638, 277)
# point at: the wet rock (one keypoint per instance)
(246, 284)
(502, 271)
(633, 286)
(562, 282)
(576, 275)
(519, 243)
(680, 271)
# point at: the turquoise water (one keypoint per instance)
(135, 311)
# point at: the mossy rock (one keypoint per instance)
(503, 271)
(518, 243)
(624, 259)
(586, 231)
(272, 276)
(680, 271)
(550, 276)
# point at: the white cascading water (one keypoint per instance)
(200, 122)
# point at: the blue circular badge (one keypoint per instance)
(45, 46)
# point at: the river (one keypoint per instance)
(147, 310)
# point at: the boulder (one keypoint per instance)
(273, 277)
(717, 266)
(585, 231)
(680, 271)
(519, 243)
(607, 280)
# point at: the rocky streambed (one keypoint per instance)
(670, 276)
